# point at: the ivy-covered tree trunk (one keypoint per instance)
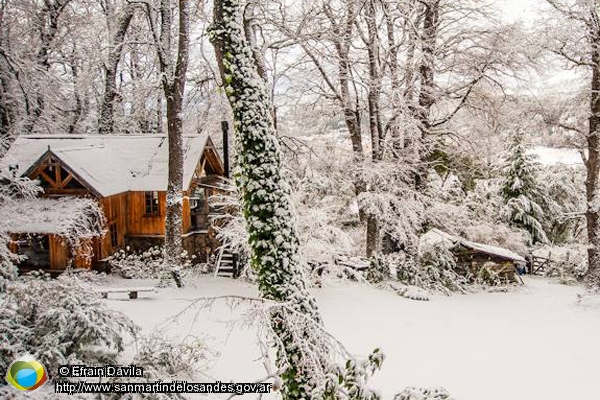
(306, 355)
(265, 194)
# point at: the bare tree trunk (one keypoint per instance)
(78, 111)
(343, 36)
(374, 93)
(173, 82)
(175, 94)
(48, 25)
(592, 164)
(159, 114)
(7, 103)
(426, 76)
(375, 128)
(106, 118)
(250, 34)
(413, 21)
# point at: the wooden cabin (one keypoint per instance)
(127, 175)
(471, 257)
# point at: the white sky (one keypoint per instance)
(525, 11)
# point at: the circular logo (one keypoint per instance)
(26, 374)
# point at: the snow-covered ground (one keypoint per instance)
(532, 343)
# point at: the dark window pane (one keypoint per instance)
(114, 237)
(152, 203)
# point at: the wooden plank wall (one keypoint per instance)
(59, 252)
(115, 210)
(140, 224)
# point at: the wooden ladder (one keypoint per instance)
(226, 263)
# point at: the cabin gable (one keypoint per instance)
(57, 178)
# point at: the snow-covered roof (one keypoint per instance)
(437, 236)
(492, 250)
(111, 164)
(52, 216)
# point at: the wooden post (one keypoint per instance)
(236, 269)
(225, 130)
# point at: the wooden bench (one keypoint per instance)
(132, 291)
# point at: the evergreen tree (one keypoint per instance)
(521, 194)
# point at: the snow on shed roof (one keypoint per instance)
(438, 236)
(111, 164)
(52, 216)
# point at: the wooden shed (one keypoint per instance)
(472, 256)
(127, 176)
(53, 233)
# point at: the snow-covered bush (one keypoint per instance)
(430, 274)
(352, 378)
(398, 208)
(319, 222)
(563, 203)
(399, 216)
(8, 261)
(44, 393)
(11, 190)
(567, 263)
(146, 264)
(379, 270)
(413, 393)
(322, 236)
(487, 276)
(476, 217)
(446, 217)
(447, 188)
(59, 321)
(437, 255)
(163, 360)
(484, 201)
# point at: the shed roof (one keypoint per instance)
(438, 236)
(111, 164)
(61, 216)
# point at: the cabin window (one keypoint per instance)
(152, 204)
(114, 235)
